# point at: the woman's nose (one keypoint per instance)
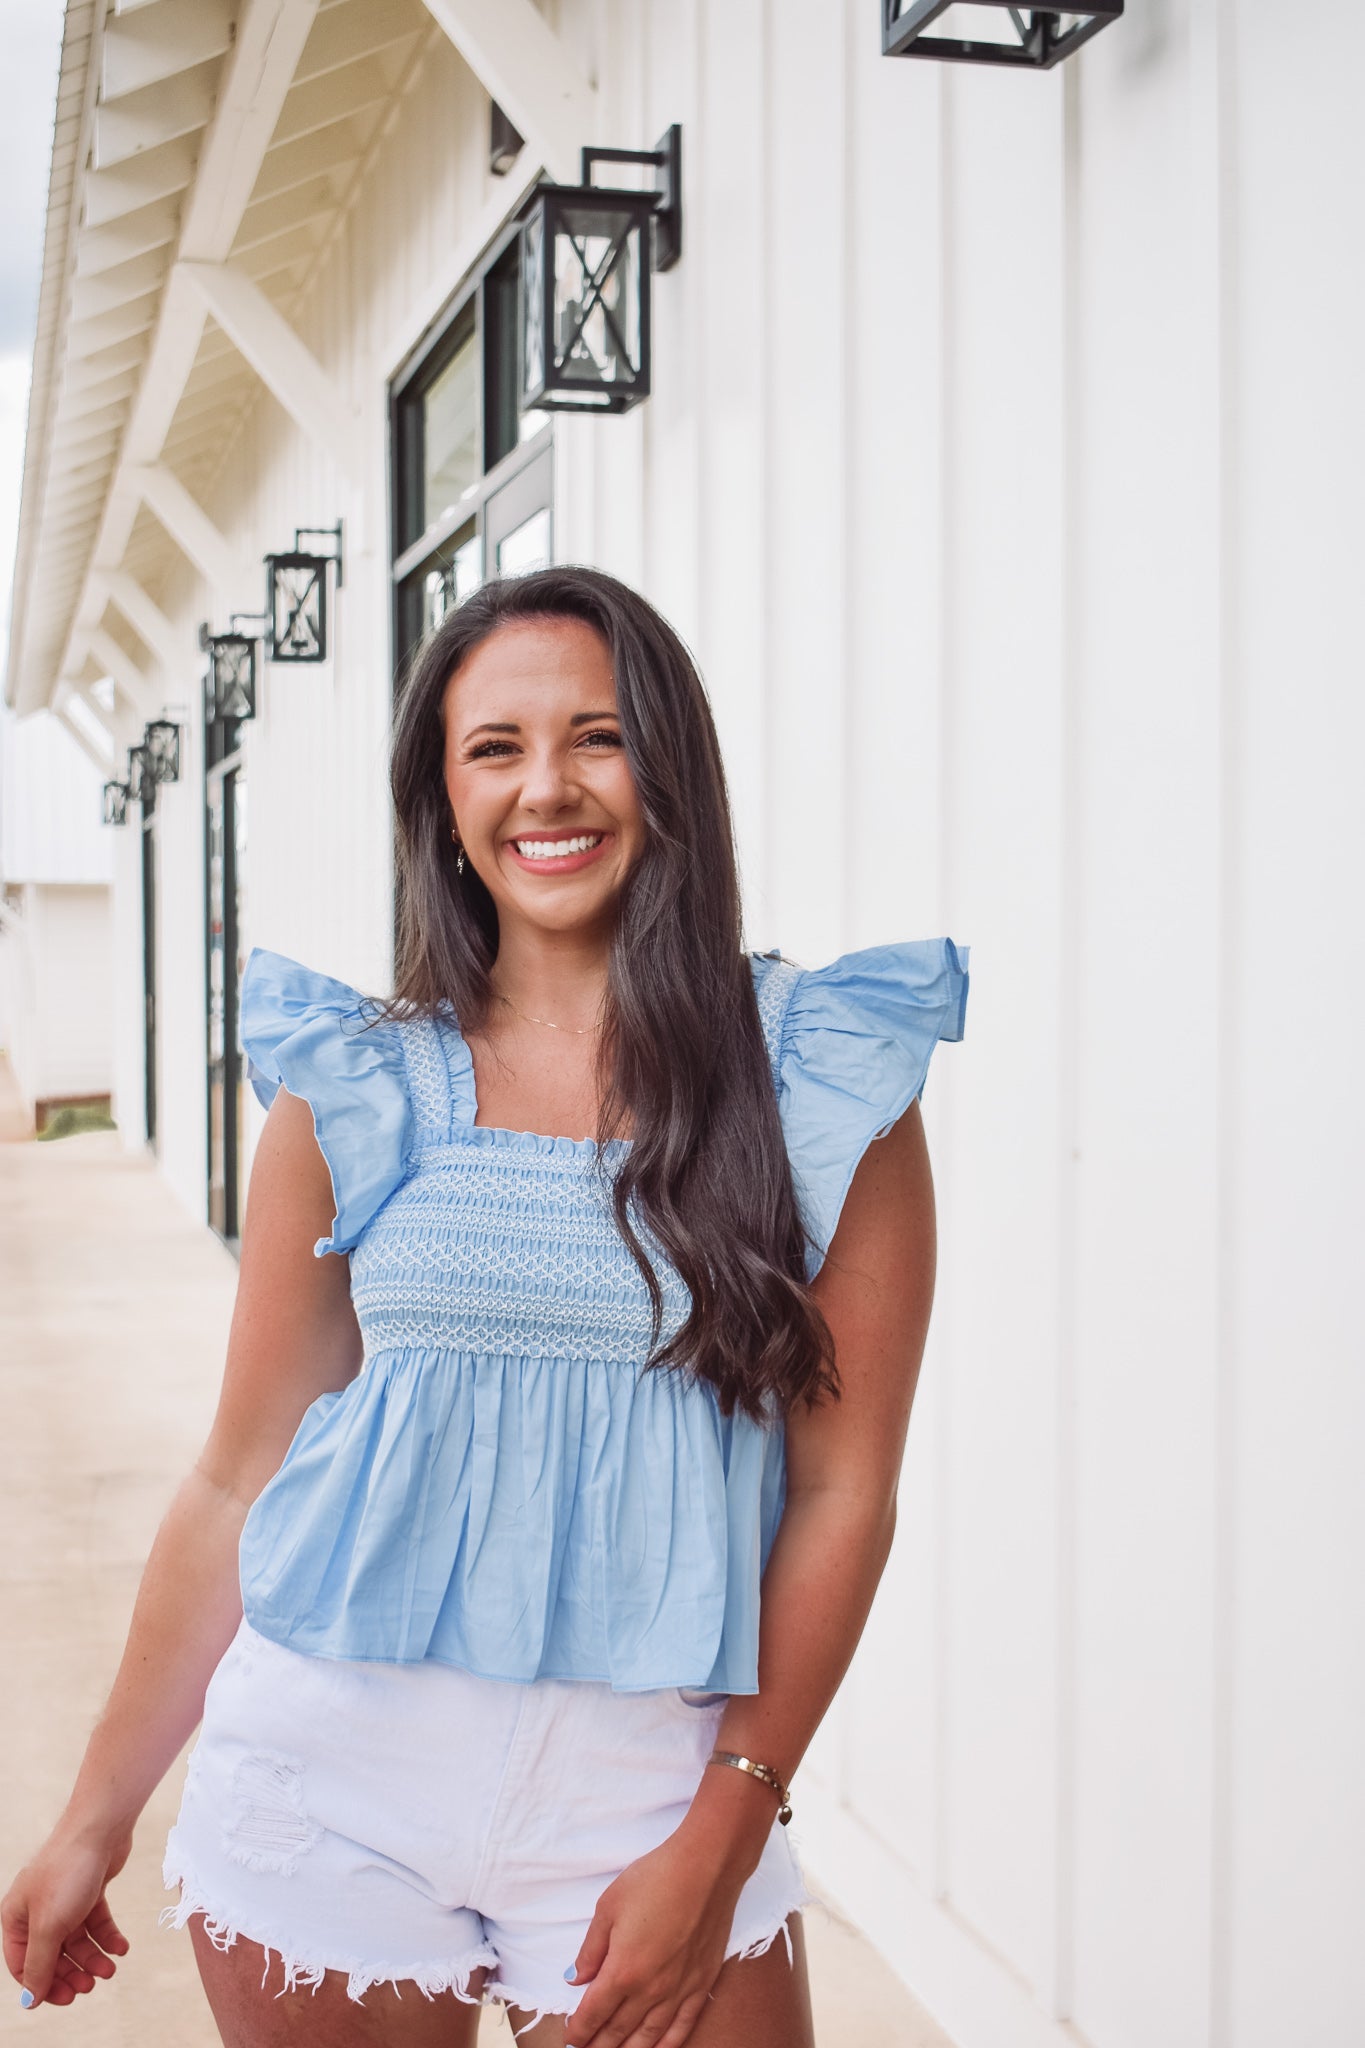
(548, 784)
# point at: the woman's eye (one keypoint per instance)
(487, 747)
(603, 733)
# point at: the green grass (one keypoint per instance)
(66, 1123)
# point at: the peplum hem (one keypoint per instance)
(522, 1519)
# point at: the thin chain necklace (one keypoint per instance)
(578, 1030)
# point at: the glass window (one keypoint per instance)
(450, 434)
(527, 546)
(472, 475)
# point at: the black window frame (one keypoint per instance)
(486, 306)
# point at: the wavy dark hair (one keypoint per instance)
(682, 1059)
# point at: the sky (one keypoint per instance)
(33, 42)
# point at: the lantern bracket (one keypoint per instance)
(1042, 40)
(666, 159)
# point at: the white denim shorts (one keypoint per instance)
(409, 1823)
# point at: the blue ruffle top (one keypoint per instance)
(502, 1487)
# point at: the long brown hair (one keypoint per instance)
(682, 1059)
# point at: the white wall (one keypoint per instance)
(1002, 468)
(50, 799)
(56, 974)
(56, 860)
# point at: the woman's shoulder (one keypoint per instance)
(850, 1045)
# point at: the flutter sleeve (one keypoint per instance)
(853, 1047)
(313, 1036)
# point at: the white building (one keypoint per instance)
(56, 955)
(1003, 466)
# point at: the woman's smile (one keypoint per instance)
(557, 853)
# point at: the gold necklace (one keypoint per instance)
(578, 1030)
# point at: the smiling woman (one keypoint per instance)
(562, 704)
(546, 1500)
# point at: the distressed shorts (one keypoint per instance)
(410, 1823)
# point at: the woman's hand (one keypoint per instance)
(59, 1933)
(654, 1950)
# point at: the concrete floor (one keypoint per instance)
(114, 1310)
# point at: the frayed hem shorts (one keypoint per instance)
(411, 1823)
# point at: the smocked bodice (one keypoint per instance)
(504, 1486)
(499, 1240)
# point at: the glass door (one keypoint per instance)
(225, 850)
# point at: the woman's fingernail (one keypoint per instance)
(571, 1973)
(26, 1999)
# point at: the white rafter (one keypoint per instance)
(522, 64)
(256, 77)
(131, 681)
(283, 363)
(187, 524)
(145, 617)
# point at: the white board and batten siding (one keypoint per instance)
(1002, 470)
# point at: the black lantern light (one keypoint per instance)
(231, 692)
(115, 803)
(161, 740)
(587, 255)
(1029, 38)
(296, 596)
(141, 778)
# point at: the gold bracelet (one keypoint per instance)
(764, 1771)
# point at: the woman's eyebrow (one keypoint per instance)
(579, 718)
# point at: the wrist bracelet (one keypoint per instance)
(764, 1771)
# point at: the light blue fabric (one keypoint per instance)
(501, 1487)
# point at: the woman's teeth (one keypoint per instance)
(556, 849)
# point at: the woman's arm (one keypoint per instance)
(293, 1337)
(844, 1457)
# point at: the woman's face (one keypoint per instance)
(536, 772)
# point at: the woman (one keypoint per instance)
(626, 1315)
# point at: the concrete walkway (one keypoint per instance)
(114, 1311)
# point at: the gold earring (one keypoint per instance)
(459, 858)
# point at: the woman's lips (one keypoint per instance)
(558, 863)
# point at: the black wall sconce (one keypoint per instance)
(1040, 38)
(115, 803)
(296, 596)
(141, 781)
(588, 253)
(230, 685)
(161, 742)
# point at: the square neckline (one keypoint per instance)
(448, 1023)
